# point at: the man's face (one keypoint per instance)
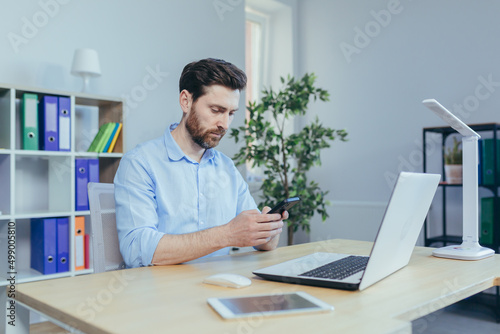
(210, 116)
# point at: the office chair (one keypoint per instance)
(105, 246)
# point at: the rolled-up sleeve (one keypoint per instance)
(136, 214)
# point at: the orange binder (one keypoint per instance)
(79, 243)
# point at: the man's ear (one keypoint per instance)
(185, 100)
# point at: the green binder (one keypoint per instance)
(487, 161)
(29, 122)
(487, 222)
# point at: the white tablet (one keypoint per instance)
(266, 305)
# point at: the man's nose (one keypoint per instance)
(224, 121)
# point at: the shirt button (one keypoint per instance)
(201, 223)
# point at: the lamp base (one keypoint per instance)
(461, 252)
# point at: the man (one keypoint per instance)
(177, 198)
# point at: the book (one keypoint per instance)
(115, 138)
(101, 137)
(110, 139)
(108, 130)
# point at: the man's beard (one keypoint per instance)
(200, 137)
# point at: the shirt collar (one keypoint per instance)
(175, 153)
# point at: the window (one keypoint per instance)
(256, 25)
(268, 55)
(255, 28)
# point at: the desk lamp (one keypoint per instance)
(86, 65)
(470, 248)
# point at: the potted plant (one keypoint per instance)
(453, 162)
(286, 159)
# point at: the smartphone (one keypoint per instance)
(285, 205)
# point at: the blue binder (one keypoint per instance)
(43, 245)
(49, 124)
(93, 170)
(64, 113)
(62, 244)
(82, 178)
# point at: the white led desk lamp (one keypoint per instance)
(470, 249)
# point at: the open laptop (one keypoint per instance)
(396, 238)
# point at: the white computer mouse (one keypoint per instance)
(228, 280)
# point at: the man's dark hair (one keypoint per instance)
(198, 75)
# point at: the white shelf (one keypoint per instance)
(46, 214)
(41, 184)
(41, 153)
(82, 213)
(98, 155)
(30, 275)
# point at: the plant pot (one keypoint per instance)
(453, 174)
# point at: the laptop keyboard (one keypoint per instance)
(339, 269)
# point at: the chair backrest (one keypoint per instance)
(105, 245)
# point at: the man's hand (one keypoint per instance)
(252, 228)
(273, 243)
(249, 228)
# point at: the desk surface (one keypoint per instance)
(173, 298)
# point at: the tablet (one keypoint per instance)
(267, 305)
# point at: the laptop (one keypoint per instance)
(396, 238)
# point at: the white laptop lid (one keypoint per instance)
(396, 238)
(403, 220)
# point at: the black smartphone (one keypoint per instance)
(285, 205)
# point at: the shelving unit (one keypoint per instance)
(445, 228)
(445, 237)
(41, 184)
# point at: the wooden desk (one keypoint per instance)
(173, 298)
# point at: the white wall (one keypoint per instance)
(443, 49)
(427, 49)
(133, 38)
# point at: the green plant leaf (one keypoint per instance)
(286, 158)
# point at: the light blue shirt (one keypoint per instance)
(159, 190)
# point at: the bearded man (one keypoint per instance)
(179, 199)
